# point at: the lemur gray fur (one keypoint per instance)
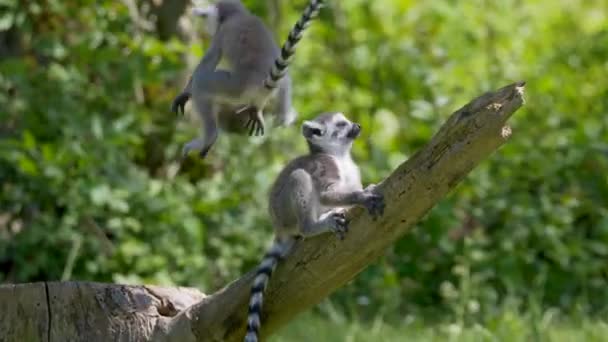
(257, 69)
(310, 197)
(281, 104)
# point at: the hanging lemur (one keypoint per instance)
(257, 71)
(310, 196)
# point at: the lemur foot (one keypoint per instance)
(338, 223)
(373, 201)
(179, 103)
(255, 123)
(196, 145)
(203, 153)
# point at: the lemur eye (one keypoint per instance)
(316, 131)
(342, 124)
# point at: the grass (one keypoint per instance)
(509, 327)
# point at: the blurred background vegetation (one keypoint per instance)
(88, 150)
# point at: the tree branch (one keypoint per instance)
(316, 267)
(320, 265)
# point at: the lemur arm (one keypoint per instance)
(207, 64)
(334, 198)
(179, 102)
(212, 56)
(188, 87)
(367, 198)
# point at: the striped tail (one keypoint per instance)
(279, 68)
(262, 276)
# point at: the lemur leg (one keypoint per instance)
(305, 203)
(209, 89)
(207, 111)
(284, 111)
(221, 84)
(217, 84)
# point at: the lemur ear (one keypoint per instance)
(311, 128)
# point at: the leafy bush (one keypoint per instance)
(88, 151)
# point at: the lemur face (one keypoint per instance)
(210, 15)
(331, 133)
(215, 14)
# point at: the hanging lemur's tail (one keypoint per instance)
(278, 250)
(279, 68)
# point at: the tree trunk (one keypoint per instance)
(72, 311)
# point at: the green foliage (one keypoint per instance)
(88, 151)
(509, 326)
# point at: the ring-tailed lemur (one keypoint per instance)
(257, 68)
(280, 66)
(309, 197)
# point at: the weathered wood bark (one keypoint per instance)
(105, 312)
